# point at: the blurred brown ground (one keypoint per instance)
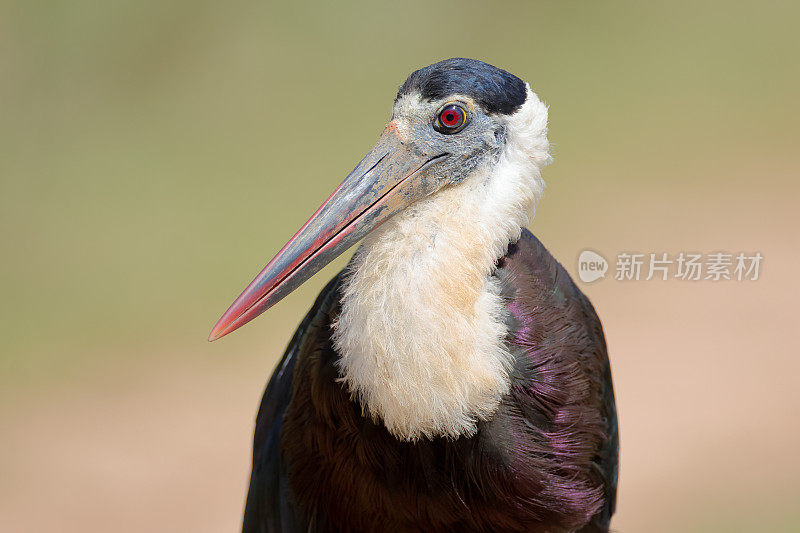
(153, 156)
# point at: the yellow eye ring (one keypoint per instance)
(450, 119)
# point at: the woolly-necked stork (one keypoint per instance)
(452, 377)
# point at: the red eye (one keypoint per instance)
(451, 119)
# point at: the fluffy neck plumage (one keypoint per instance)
(421, 332)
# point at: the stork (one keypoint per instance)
(452, 377)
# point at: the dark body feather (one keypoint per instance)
(546, 461)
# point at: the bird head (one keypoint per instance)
(448, 119)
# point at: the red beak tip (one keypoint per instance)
(217, 333)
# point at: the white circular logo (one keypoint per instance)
(591, 266)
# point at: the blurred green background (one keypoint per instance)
(154, 155)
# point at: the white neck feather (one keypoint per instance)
(421, 331)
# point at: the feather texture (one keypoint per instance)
(546, 460)
(422, 328)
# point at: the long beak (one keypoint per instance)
(388, 179)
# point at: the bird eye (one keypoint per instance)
(451, 119)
